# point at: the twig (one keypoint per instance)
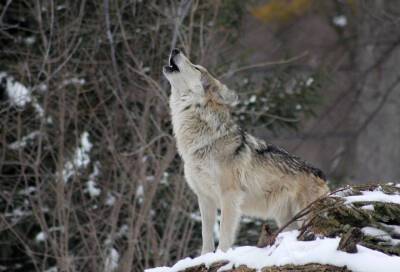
(264, 64)
(301, 214)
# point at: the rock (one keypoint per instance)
(285, 268)
(348, 242)
(267, 237)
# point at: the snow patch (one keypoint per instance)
(42, 236)
(91, 188)
(369, 207)
(373, 196)
(110, 199)
(340, 20)
(39, 110)
(380, 234)
(74, 81)
(80, 158)
(24, 141)
(112, 259)
(18, 94)
(393, 228)
(27, 191)
(309, 81)
(30, 40)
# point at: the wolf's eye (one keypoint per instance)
(197, 68)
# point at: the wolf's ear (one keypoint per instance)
(206, 83)
(228, 96)
(218, 91)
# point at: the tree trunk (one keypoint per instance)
(377, 95)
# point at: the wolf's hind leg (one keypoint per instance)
(208, 211)
(230, 216)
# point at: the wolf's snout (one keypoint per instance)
(172, 67)
(174, 52)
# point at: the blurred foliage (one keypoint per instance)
(61, 51)
(283, 11)
(231, 14)
(282, 100)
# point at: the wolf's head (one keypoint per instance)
(195, 82)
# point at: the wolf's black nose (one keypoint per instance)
(174, 52)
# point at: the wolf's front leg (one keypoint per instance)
(230, 217)
(208, 210)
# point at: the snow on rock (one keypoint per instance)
(288, 250)
(380, 234)
(369, 207)
(394, 228)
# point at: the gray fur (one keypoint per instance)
(226, 167)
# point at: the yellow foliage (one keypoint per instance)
(281, 10)
(352, 4)
(286, 10)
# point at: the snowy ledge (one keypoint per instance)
(288, 250)
(376, 213)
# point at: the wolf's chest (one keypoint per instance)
(202, 178)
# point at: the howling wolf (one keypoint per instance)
(227, 168)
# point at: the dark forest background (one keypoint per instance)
(89, 175)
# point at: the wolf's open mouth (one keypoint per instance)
(172, 65)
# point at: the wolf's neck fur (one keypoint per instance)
(199, 125)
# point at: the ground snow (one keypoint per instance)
(288, 250)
